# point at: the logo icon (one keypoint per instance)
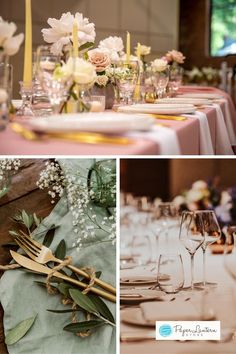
(165, 330)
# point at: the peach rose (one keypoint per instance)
(99, 59)
(176, 56)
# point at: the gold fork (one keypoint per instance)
(42, 254)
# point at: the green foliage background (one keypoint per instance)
(223, 23)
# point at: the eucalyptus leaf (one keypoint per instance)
(83, 326)
(61, 250)
(102, 308)
(83, 301)
(15, 334)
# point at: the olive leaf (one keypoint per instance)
(83, 301)
(86, 46)
(102, 308)
(83, 326)
(37, 220)
(13, 233)
(27, 219)
(64, 311)
(64, 289)
(15, 334)
(61, 250)
(48, 238)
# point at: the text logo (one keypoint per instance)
(188, 330)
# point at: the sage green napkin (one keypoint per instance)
(21, 298)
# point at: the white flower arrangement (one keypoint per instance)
(159, 65)
(113, 46)
(85, 222)
(60, 35)
(9, 44)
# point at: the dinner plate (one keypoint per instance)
(170, 109)
(209, 96)
(186, 100)
(135, 317)
(140, 295)
(105, 122)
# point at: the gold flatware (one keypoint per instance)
(137, 337)
(42, 254)
(81, 137)
(168, 117)
(39, 268)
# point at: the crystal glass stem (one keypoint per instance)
(204, 266)
(192, 271)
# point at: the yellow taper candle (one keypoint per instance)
(139, 51)
(128, 47)
(28, 43)
(75, 40)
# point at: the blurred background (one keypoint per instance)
(167, 178)
(204, 30)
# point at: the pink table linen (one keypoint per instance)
(188, 134)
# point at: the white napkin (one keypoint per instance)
(170, 311)
(206, 147)
(166, 138)
(136, 274)
(229, 122)
(223, 143)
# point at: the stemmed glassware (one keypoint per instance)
(126, 76)
(212, 234)
(192, 235)
(160, 81)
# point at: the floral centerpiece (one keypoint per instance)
(208, 196)
(204, 76)
(174, 58)
(9, 44)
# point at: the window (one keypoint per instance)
(223, 27)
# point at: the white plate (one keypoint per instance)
(187, 100)
(135, 317)
(131, 281)
(105, 122)
(140, 295)
(209, 96)
(170, 109)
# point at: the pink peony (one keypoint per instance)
(99, 59)
(175, 56)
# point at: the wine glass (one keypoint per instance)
(212, 234)
(170, 276)
(175, 80)
(192, 235)
(126, 76)
(165, 215)
(160, 81)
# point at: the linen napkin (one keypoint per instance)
(21, 298)
(170, 311)
(223, 143)
(165, 138)
(206, 147)
(136, 275)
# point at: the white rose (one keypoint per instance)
(3, 95)
(102, 80)
(179, 200)
(194, 195)
(159, 65)
(10, 45)
(113, 46)
(144, 50)
(84, 73)
(199, 185)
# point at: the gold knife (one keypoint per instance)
(32, 265)
(81, 137)
(168, 117)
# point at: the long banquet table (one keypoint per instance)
(187, 133)
(215, 273)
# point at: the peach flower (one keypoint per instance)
(99, 59)
(175, 56)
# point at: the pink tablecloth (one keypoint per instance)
(187, 132)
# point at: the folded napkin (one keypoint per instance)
(223, 143)
(165, 138)
(206, 147)
(137, 274)
(170, 311)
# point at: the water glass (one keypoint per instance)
(160, 81)
(141, 249)
(170, 277)
(99, 103)
(175, 80)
